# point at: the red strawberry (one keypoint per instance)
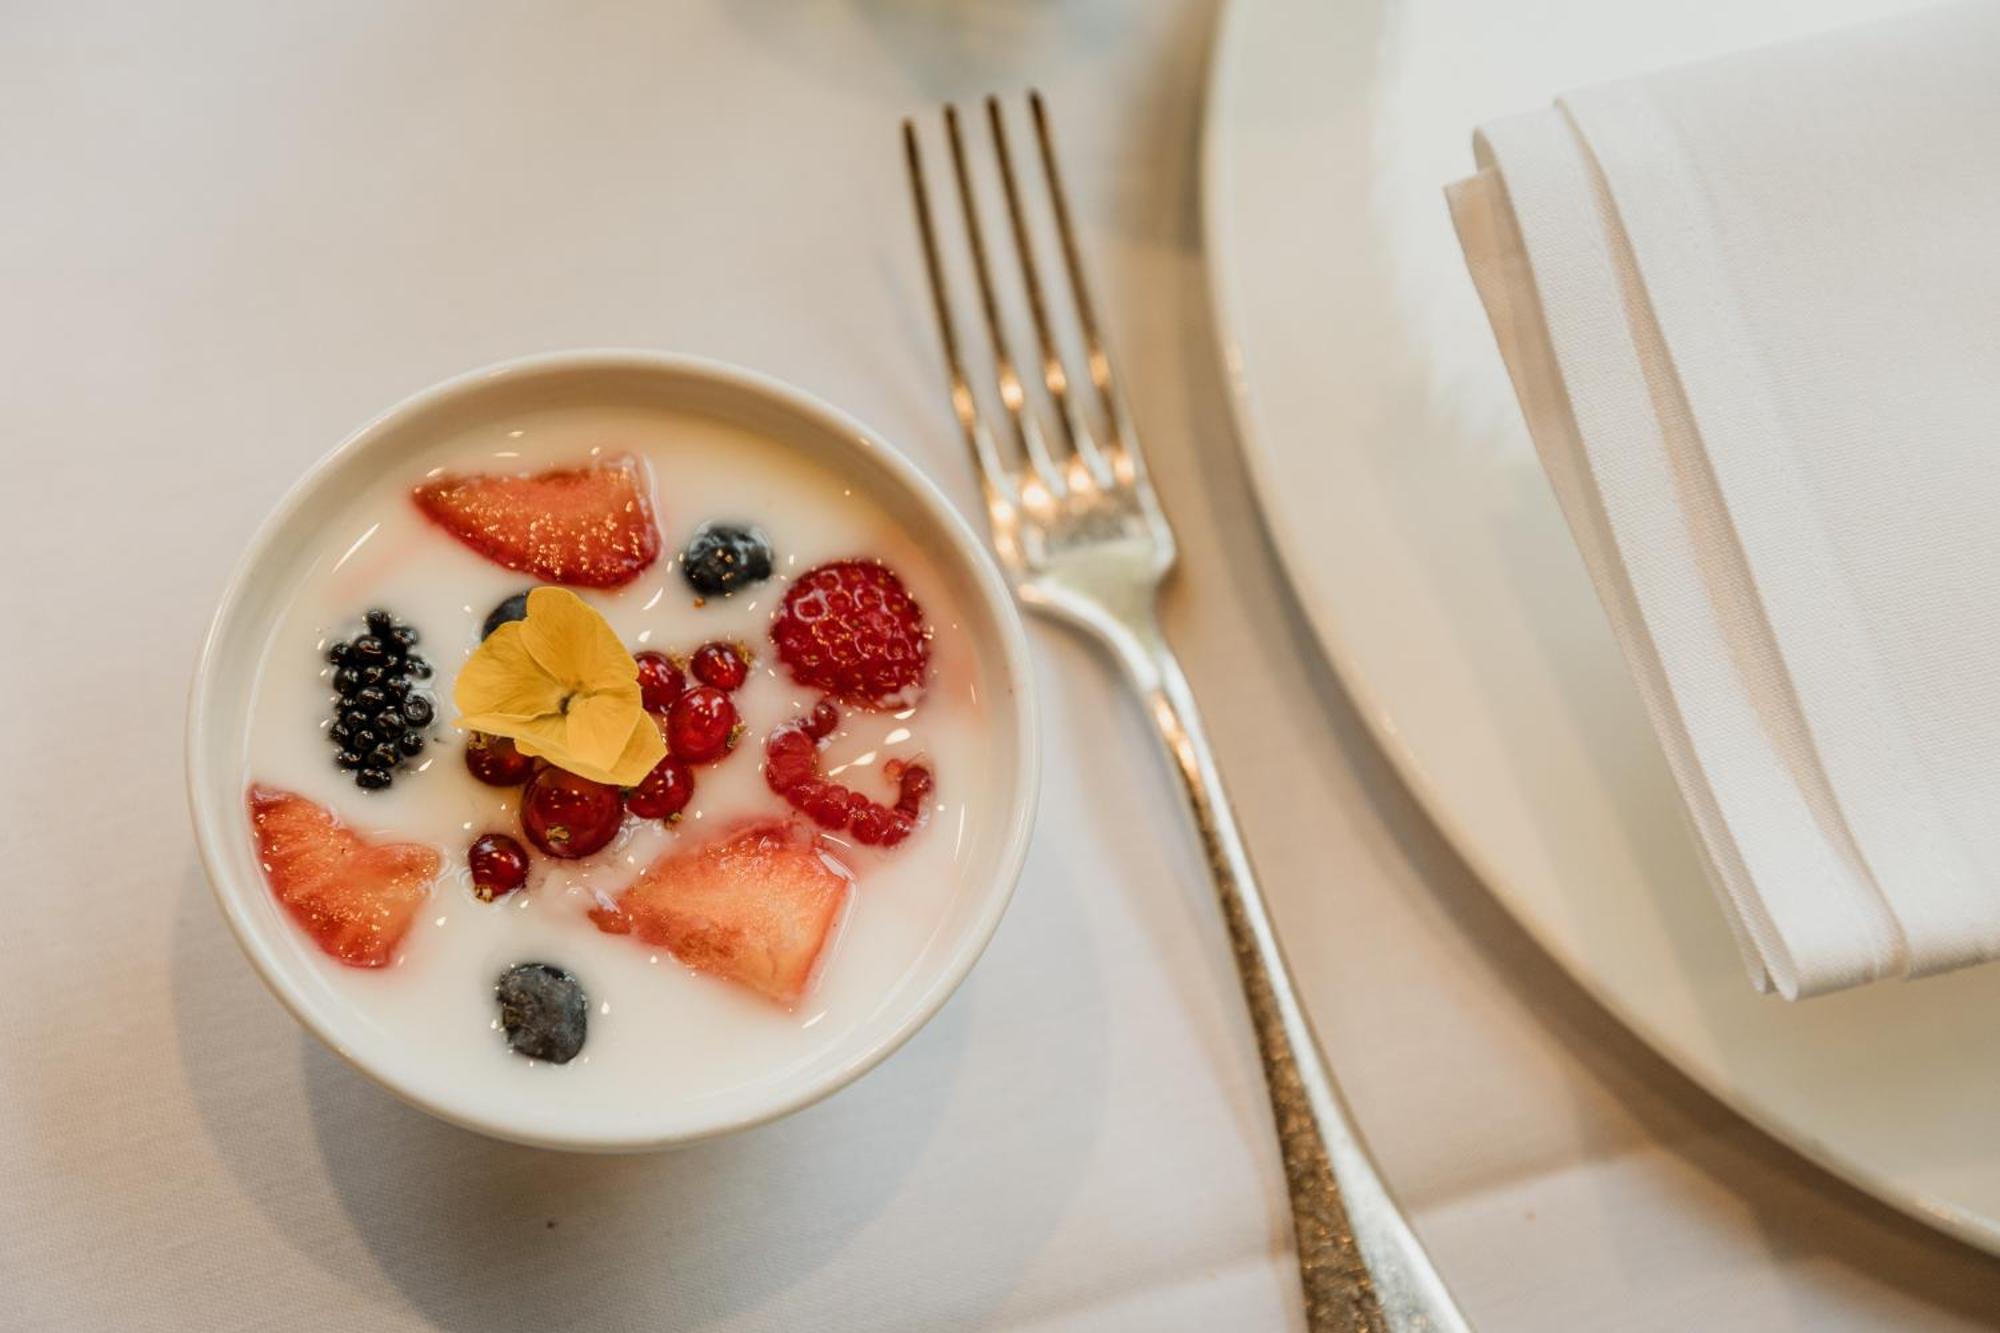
(591, 527)
(851, 629)
(354, 897)
(756, 907)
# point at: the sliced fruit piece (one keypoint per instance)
(589, 527)
(756, 907)
(355, 898)
(850, 628)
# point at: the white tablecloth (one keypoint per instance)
(229, 233)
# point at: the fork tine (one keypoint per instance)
(1055, 374)
(993, 477)
(1127, 464)
(1013, 396)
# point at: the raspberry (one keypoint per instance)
(850, 628)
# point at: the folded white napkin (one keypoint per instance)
(1752, 312)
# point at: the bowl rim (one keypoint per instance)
(215, 828)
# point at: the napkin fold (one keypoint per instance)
(1751, 309)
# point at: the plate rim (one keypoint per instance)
(1218, 264)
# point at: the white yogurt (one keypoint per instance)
(657, 1030)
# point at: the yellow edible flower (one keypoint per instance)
(562, 687)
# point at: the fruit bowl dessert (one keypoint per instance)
(607, 750)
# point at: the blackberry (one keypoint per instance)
(376, 716)
(723, 557)
(514, 608)
(543, 1011)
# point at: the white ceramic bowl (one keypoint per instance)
(217, 720)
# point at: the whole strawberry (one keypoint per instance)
(849, 628)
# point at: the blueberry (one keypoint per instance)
(411, 743)
(346, 680)
(417, 711)
(370, 675)
(514, 608)
(404, 637)
(382, 756)
(543, 1011)
(379, 621)
(368, 650)
(347, 759)
(339, 732)
(723, 557)
(373, 778)
(353, 719)
(364, 740)
(370, 697)
(336, 652)
(418, 667)
(389, 723)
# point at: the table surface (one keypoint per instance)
(231, 232)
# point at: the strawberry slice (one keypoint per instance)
(590, 527)
(355, 898)
(756, 907)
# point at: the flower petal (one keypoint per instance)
(644, 748)
(541, 737)
(561, 686)
(503, 679)
(574, 644)
(597, 729)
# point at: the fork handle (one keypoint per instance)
(1363, 1269)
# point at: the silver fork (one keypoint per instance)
(1081, 536)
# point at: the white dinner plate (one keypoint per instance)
(1430, 556)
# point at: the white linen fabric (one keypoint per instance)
(1751, 309)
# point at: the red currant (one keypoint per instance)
(664, 792)
(701, 725)
(723, 665)
(660, 680)
(495, 761)
(566, 815)
(499, 866)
